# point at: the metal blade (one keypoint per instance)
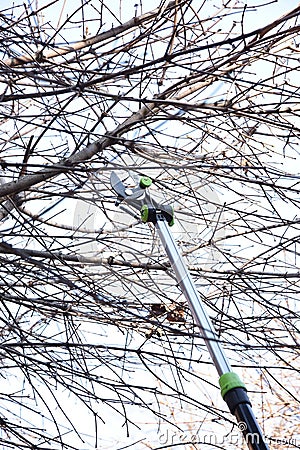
(117, 185)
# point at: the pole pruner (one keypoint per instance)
(233, 390)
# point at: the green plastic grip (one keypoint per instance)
(144, 213)
(145, 182)
(172, 221)
(228, 381)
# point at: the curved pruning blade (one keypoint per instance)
(117, 185)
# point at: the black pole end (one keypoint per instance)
(236, 396)
(240, 406)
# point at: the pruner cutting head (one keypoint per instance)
(135, 196)
(138, 198)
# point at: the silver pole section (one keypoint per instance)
(233, 390)
(189, 290)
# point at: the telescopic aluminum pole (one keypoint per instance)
(233, 389)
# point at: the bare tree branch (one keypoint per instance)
(203, 98)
